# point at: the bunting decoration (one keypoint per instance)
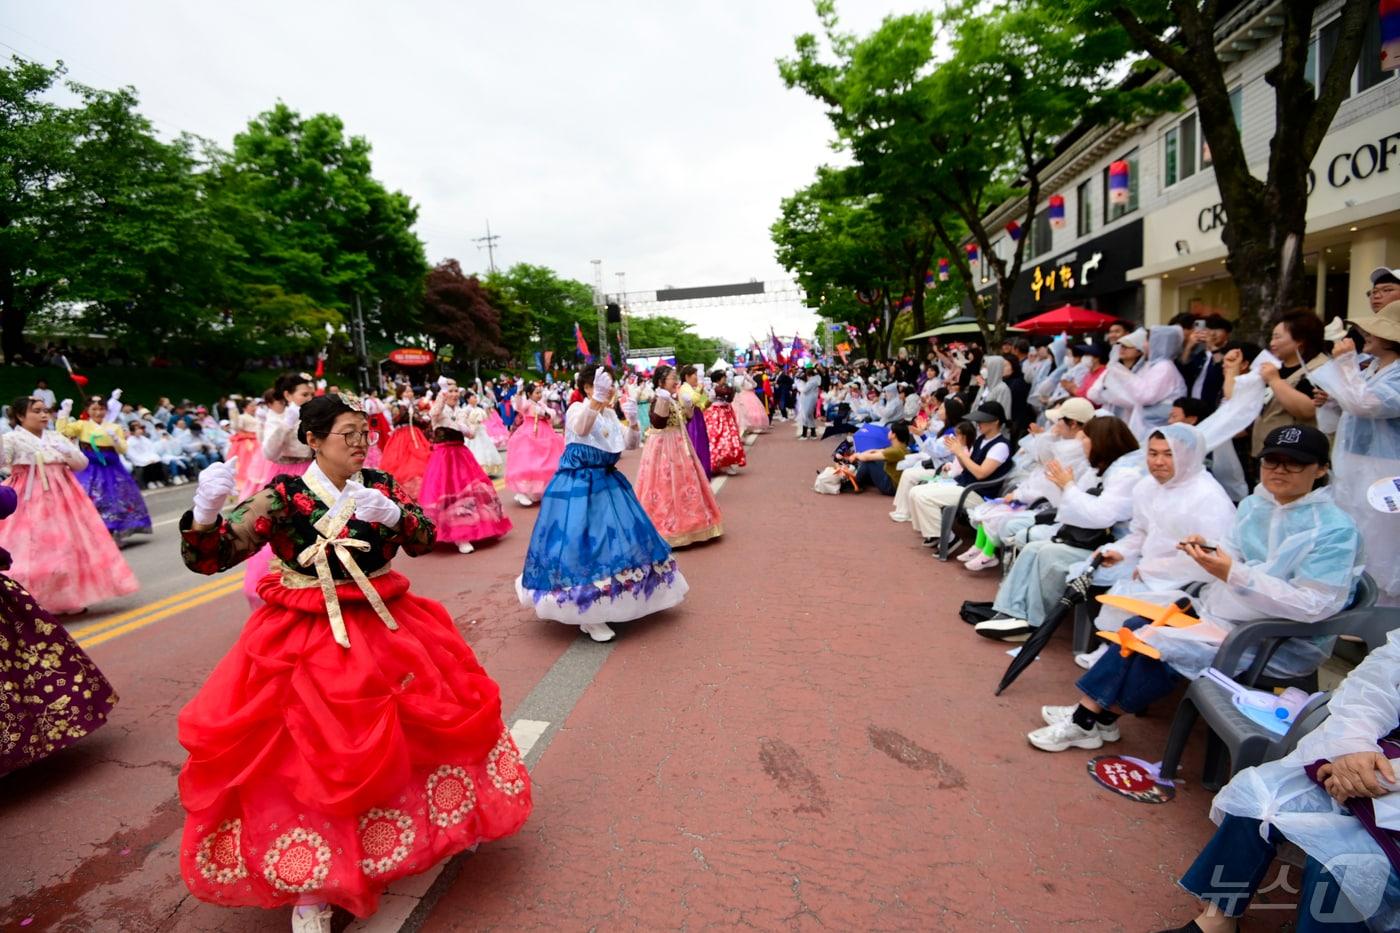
(1390, 35)
(942, 270)
(1057, 211)
(972, 254)
(1118, 182)
(1013, 230)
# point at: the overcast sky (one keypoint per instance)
(655, 136)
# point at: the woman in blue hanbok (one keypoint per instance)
(594, 556)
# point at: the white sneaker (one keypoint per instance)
(1088, 660)
(314, 920)
(1058, 714)
(1005, 629)
(465, 548)
(1065, 735)
(524, 500)
(898, 517)
(982, 562)
(598, 631)
(970, 554)
(732, 471)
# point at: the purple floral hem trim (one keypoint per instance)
(636, 582)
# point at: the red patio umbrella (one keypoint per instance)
(1070, 319)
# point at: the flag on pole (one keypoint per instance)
(1013, 230)
(79, 380)
(582, 344)
(548, 355)
(1057, 211)
(777, 346)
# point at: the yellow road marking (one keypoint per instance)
(227, 588)
(130, 614)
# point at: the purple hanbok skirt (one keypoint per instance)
(699, 439)
(115, 493)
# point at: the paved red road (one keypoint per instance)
(811, 741)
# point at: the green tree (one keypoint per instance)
(661, 330)
(310, 217)
(264, 321)
(1265, 217)
(960, 135)
(457, 312)
(539, 309)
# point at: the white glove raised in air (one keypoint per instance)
(602, 387)
(217, 482)
(292, 416)
(66, 408)
(371, 505)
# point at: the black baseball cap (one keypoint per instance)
(1297, 442)
(988, 411)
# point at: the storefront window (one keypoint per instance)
(1112, 212)
(1040, 234)
(1368, 70)
(1084, 198)
(1179, 152)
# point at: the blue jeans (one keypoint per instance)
(872, 473)
(1233, 864)
(1132, 683)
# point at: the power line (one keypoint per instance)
(490, 247)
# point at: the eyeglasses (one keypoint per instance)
(357, 438)
(1282, 463)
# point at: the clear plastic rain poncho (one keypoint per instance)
(1232, 416)
(995, 389)
(995, 515)
(1048, 388)
(1363, 710)
(1190, 503)
(1146, 392)
(1367, 449)
(1298, 561)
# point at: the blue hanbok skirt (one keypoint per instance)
(594, 555)
(115, 493)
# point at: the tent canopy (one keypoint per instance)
(962, 324)
(1070, 319)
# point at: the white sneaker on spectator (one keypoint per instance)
(598, 631)
(982, 562)
(898, 517)
(930, 542)
(1089, 659)
(1058, 714)
(1006, 629)
(967, 555)
(1065, 735)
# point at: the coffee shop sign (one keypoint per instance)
(1063, 275)
(1368, 159)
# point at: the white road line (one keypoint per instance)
(718, 482)
(526, 733)
(168, 521)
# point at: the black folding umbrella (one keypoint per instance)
(1076, 592)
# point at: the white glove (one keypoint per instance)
(602, 387)
(66, 408)
(629, 408)
(217, 482)
(442, 382)
(371, 505)
(662, 393)
(117, 394)
(292, 416)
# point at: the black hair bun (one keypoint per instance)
(318, 415)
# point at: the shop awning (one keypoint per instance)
(962, 324)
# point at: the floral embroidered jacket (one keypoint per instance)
(284, 515)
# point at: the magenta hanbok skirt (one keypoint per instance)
(460, 498)
(532, 457)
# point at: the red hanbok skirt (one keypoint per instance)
(321, 773)
(406, 458)
(726, 443)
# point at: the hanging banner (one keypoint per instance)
(1057, 211)
(1118, 182)
(411, 356)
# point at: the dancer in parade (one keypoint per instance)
(671, 483)
(726, 441)
(350, 737)
(748, 409)
(479, 440)
(694, 401)
(406, 455)
(51, 694)
(458, 496)
(105, 479)
(595, 558)
(285, 456)
(533, 453)
(245, 446)
(59, 549)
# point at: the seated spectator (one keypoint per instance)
(1315, 797)
(876, 468)
(1081, 379)
(1368, 432)
(143, 454)
(1292, 554)
(172, 454)
(1187, 410)
(1090, 508)
(987, 460)
(933, 453)
(1141, 392)
(1000, 519)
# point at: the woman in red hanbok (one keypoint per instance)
(406, 455)
(349, 738)
(283, 455)
(726, 441)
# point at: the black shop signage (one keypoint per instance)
(1095, 267)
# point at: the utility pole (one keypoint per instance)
(361, 350)
(600, 302)
(623, 338)
(490, 241)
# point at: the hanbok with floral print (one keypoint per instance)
(595, 557)
(726, 442)
(350, 737)
(671, 484)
